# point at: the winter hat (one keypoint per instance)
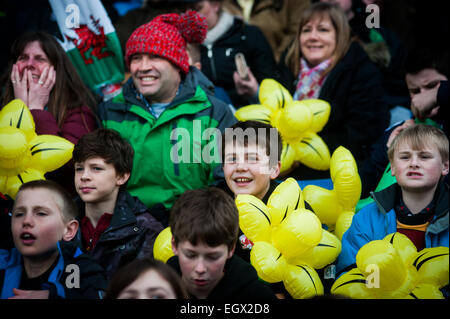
(166, 36)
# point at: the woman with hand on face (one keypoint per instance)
(324, 62)
(42, 76)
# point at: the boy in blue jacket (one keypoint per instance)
(417, 205)
(44, 264)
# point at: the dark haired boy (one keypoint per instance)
(115, 227)
(205, 225)
(44, 263)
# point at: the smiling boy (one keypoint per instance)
(417, 205)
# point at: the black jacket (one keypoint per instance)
(130, 235)
(358, 113)
(240, 281)
(218, 59)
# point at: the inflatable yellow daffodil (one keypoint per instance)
(24, 155)
(392, 268)
(162, 248)
(288, 240)
(298, 123)
(336, 207)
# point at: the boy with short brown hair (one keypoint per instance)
(115, 227)
(204, 225)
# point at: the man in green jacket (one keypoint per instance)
(166, 115)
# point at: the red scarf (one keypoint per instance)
(310, 80)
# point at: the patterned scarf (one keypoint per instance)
(310, 80)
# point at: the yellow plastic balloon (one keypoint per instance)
(25, 156)
(294, 121)
(425, 291)
(302, 282)
(268, 262)
(297, 121)
(298, 232)
(254, 218)
(288, 156)
(256, 112)
(323, 254)
(324, 203)
(273, 95)
(290, 240)
(285, 198)
(343, 223)
(404, 246)
(432, 266)
(382, 257)
(390, 272)
(312, 151)
(352, 284)
(329, 205)
(162, 248)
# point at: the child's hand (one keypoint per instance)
(20, 85)
(39, 92)
(246, 87)
(30, 294)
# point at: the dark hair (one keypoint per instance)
(270, 144)
(131, 271)
(107, 144)
(68, 208)
(69, 91)
(205, 215)
(427, 58)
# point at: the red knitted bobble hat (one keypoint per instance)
(166, 36)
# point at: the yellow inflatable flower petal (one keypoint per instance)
(288, 156)
(425, 291)
(312, 151)
(298, 232)
(391, 273)
(352, 284)
(268, 262)
(254, 112)
(384, 256)
(404, 246)
(291, 240)
(323, 254)
(254, 218)
(25, 156)
(302, 282)
(297, 122)
(162, 248)
(273, 95)
(343, 223)
(432, 266)
(285, 198)
(10, 184)
(330, 205)
(16, 114)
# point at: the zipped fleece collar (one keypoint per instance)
(386, 200)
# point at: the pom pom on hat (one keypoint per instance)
(166, 36)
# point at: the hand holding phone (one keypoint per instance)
(241, 65)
